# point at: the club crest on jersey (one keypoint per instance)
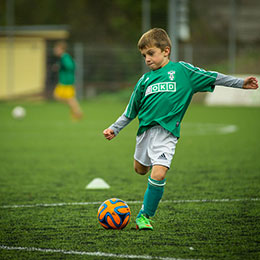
(171, 74)
(161, 87)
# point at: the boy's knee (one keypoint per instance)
(159, 172)
(141, 169)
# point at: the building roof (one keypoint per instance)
(50, 32)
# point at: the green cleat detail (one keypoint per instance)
(143, 223)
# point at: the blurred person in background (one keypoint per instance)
(65, 89)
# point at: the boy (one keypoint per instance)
(65, 90)
(160, 99)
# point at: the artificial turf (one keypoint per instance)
(47, 158)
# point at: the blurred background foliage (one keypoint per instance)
(109, 30)
(120, 20)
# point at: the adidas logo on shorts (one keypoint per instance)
(162, 156)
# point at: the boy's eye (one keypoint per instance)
(150, 53)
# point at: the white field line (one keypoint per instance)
(99, 254)
(128, 202)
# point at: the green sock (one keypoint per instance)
(152, 197)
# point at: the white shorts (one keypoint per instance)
(156, 146)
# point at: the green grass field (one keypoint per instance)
(48, 159)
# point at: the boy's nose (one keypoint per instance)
(147, 59)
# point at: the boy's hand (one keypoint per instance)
(109, 134)
(250, 83)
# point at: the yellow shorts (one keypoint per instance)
(64, 91)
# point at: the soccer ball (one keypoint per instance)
(18, 112)
(114, 214)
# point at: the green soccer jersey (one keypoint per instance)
(161, 97)
(67, 70)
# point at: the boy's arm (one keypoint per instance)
(115, 128)
(230, 81)
(129, 114)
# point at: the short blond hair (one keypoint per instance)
(155, 37)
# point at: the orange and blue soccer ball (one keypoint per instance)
(114, 214)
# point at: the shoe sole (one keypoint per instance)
(145, 228)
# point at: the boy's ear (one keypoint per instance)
(167, 51)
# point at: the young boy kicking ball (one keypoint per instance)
(160, 100)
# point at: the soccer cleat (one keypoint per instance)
(143, 223)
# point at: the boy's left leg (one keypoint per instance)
(159, 172)
(154, 191)
(156, 146)
(152, 196)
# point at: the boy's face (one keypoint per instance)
(58, 50)
(155, 58)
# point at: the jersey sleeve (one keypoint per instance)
(120, 123)
(200, 79)
(135, 100)
(229, 81)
